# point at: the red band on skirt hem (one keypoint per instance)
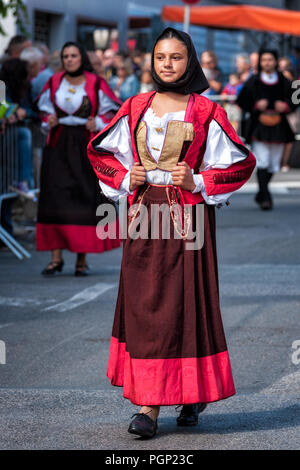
(176, 381)
(75, 238)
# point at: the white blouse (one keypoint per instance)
(69, 98)
(220, 153)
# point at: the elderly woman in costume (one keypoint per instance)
(174, 148)
(74, 104)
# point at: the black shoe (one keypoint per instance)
(81, 270)
(189, 414)
(52, 267)
(142, 425)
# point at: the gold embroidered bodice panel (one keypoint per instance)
(177, 133)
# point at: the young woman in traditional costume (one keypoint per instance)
(267, 98)
(74, 104)
(172, 147)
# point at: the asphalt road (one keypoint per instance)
(55, 333)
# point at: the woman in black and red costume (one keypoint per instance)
(74, 105)
(173, 147)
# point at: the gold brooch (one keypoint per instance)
(158, 129)
(72, 90)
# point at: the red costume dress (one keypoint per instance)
(69, 189)
(168, 344)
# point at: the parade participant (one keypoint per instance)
(74, 103)
(168, 345)
(267, 97)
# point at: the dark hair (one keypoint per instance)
(17, 40)
(14, 73)
(85, 61)
(170, 34)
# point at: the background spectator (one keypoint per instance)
(254, 62)
(96, 63)
(16, 45)
(243, 67)
(209, 63)
(108, 63)
(34, 57)
(54, 65)
(146, 83)
(232, 88)
(125, 84)
(15, 75)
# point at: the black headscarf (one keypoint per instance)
(85, 62)
(267, 51)
(193, 80)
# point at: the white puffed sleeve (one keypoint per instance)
(118, 141)
(46, 106)
(220, 153)
(106, 104)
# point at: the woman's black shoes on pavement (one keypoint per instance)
(142, 425)
(189, 414)
(81, 270)
(52, 267)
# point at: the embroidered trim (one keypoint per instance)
(229, 178)
(106, 169)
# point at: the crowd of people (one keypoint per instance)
(26, 67)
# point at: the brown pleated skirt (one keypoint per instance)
(168, 345)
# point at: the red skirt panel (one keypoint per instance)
(75, 238)
(168, 344)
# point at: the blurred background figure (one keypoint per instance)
(209, 64)
(74, 105)
(254, 62)
(43, 48)
(99, 53)
(96, 63)
(16, 45)
(125, 84)
(108, 64)
(54, 66)
(232, 88)
(15, 74)
(243, 67)
(286, 68)
(267, 97)
(146, 82)
(147, 61)
(34, 58)
(137, 63)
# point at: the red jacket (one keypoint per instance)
(93, 84)
(200, 112)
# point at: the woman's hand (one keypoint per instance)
(261, 105)
(52, 120)
(137, 176)
(91, 124)
(280, 106)
(183, 177)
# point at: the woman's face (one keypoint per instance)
(170, 59)
(71, 59)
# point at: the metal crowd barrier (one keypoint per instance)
(9, 166)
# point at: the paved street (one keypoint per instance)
(54, 393)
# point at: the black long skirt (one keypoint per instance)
(168, 344)
(69, 197)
